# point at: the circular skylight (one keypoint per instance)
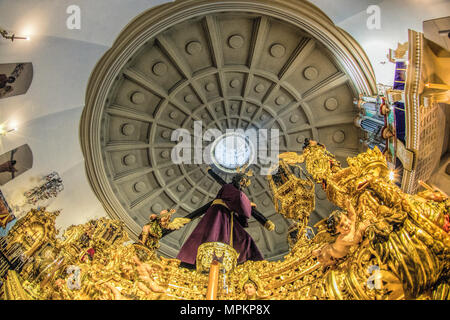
(231, 151)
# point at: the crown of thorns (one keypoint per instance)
(245, 174)
(244, 170)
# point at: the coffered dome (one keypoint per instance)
(231, 65)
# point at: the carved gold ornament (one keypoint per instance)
(402, 251)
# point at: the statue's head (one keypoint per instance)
(250, 288)
(242, 177)
(306, 143)
(240, 181)
(338, 223)
(163, 217)
(251, 285)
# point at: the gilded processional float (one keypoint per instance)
(383, 244)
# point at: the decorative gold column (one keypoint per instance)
(213, 283)
(215, 256)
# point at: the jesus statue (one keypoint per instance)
(225, 221)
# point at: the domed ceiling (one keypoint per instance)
(247, 65)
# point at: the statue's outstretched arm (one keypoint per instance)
(193, 215)
(291, 157)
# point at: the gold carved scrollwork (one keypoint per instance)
(403, 251)
(222, 252)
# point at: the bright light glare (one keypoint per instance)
(391, 175)
(232, 151)
(27, 32)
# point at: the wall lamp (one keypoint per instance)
(4, 132)
(5, 34)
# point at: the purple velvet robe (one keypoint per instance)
(215, 227)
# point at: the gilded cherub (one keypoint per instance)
(153, 231)
(147, 281)
(143, 286)
(349, 233)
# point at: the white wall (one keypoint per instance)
(48, 115)
(397, 16)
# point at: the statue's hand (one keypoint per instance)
(177, 223)
(269, 225)
(290, 157)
